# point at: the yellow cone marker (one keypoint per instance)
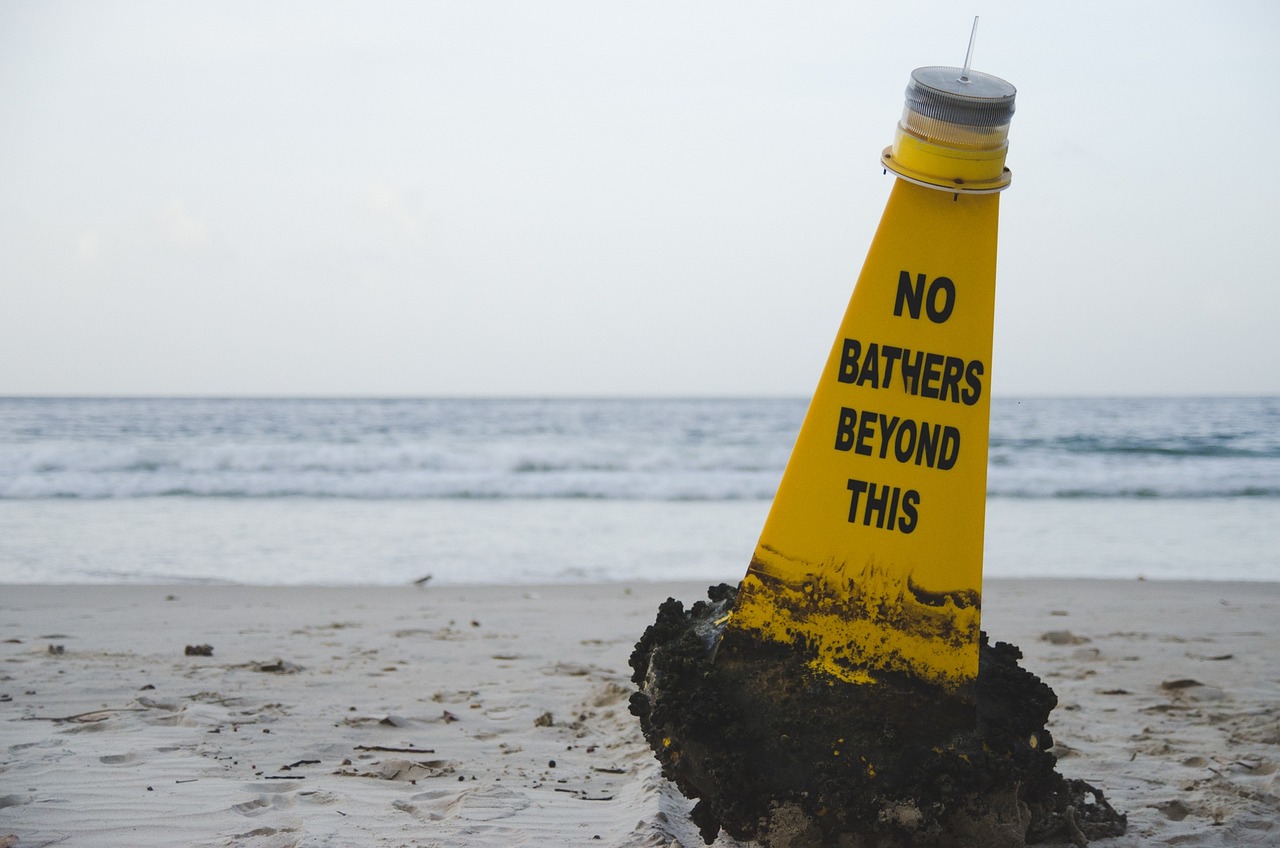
(870, 561)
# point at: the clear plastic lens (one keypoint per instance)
(951, 134)
(954, 131)
(949, 106)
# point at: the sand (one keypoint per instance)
(495, 716)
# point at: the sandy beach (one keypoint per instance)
(496, 716)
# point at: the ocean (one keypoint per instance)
(360, 491)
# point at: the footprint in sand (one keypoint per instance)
(118, 759)
(485, 803)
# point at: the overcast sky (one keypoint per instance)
(593, 198)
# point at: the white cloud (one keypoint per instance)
(89, 248)
(404, 211)
(182, 230)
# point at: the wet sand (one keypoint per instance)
(498, 715)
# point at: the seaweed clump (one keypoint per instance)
(776, 753)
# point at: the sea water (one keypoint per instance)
(292, 491)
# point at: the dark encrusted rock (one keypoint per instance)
(774, 752)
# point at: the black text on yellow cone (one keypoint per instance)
(870, 562)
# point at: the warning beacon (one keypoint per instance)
(870, 561)
(834, 697)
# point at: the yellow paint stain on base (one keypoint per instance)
(856, 628)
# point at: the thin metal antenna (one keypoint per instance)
(968, 57)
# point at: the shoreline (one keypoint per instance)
(301, 541)
(497, 715)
